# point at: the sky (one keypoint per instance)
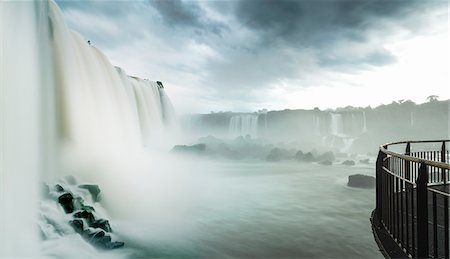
(249, 55)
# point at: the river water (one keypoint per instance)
(269, 210)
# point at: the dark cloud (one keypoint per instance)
(178, 13)
(234, 49)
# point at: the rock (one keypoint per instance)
(361, 181)
(325, 162)
(194, 149)
(327, 156)
(66, 201)
(88, 208)
(308, 157)
(93, 189)
(364, 161)
(77, 225)
(103, 224)
(59, 188)
(348, 162)
(100, 239)
(274, 155)
(84, 214)
(299, 155)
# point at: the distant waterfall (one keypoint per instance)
(337, 124)
(102, 107)
(364, 130)
(242, 125)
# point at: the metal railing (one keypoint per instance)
(412, 196)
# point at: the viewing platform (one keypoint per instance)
(411, 218)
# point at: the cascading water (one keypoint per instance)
(102, 106)
(337, 125)
(364, 129)
(25, 134)
(242, 125)
(58, 89)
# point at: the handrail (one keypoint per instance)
(405, 186)
(415, 159)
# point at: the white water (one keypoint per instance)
(364, 130)
(242, 125)
(55, 88)
(103, 108)
(24, 99)
(337, 125)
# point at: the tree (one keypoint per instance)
(432, 98)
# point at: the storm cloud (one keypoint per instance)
(230, 52)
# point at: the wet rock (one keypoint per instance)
(88, 208)
(348, 162)
(66, 201)
(308, 157)
(274, 155)
(327, 156)
(364, 161)
(103, 224)
(299, 155)
(101, 240)
(325, 162)
(77, 225)
(84, 214)
(59, 188)
(93, 189)
(361, 181)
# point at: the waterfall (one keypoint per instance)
(24, 135)
(364, 130)
(411, 119)
(242, 125)
(103, 108)
(56, 88)
(337, 124)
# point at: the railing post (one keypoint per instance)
(408, 163)
(443, 171)
(422, 212)
(379, 182)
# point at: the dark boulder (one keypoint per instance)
(364, 161)
(66, 201)
(59, 188)
(348, 162)
(308, 157)
(100, 239)
(103, 224)
(84, 214)
(77, 225)
(93, 189)
(325, 162)
(361, 181)
(327, 156)
(299, 155)
(275, 155)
